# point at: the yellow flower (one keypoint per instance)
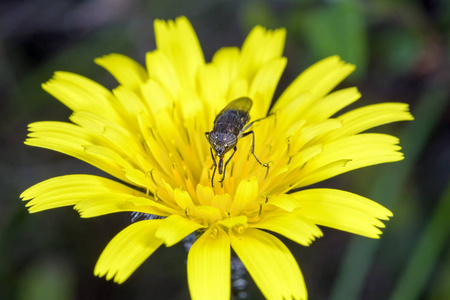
(149, 133)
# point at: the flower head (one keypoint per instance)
(149, 133)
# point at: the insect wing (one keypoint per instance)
(243, 104)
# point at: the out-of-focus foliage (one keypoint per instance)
(402, 53)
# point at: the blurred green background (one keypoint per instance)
(401, 49)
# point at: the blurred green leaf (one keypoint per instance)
(439, 287)
(426, 254)
(78, 58)
(49, 279)
(397, 49)
(254, 13)
(338, 28)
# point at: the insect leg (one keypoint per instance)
(207, 135)
(225, 167)
(257, 120)
(215, 167)
(253, 150)
(253, 145)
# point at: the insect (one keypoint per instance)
(229, 127)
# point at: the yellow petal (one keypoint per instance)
(270, 263)
(174, 228)
(342, 210)
(284, 201)
(291, 225)
(105, 153)
(299, 159)
(222, 202)
(367, 117)
(238, 88)
(317, 80)
(307, 133)
(82, 94)
(138, 178)
(213, 86)
(263, 86)
(128, 250)
(126, 70)
(161, 70)
(208, 266)
(226, 67)
(245, 194)
(171, 37)
(192, 105)
(207, 215)
(71, 139)
(350, 153)
(292, 112)
(331, 104)
(239, 222)
(70, 190)
(155, 94)
(205, 194)
(260, 47)
(115, 137)
(183, 199)
(107, 203)
(131, 105)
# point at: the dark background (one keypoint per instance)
(401, 49)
